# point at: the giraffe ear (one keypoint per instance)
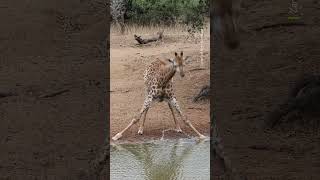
(175, 53)
(186, 58)
(181, 54)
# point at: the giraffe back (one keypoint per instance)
(159, 73)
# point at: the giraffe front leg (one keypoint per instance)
(145, 107)
(178, 129)
(140, 131)
(119, 135)
(175, 104)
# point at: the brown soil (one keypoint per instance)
(128, 62)
(45, 134)
(258, 78)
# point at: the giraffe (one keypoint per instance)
(158, 87)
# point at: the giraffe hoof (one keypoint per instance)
(140, 131)
(202, 137)
(117, 136)
(178, 130)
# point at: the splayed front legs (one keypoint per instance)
(173, 104)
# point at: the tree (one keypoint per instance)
(118, 9)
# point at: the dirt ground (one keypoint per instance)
(127, 64)
(49, 47)
(259, 77)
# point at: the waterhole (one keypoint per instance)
(161, 160)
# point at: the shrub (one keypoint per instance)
(168, 12)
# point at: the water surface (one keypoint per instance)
(161, 160)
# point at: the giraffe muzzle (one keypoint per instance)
(182, 74)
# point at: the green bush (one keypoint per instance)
(168, 12)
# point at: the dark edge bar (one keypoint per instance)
(211, 86)
(108, 88)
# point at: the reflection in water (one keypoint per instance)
(161, 160)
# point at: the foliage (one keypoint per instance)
(117, 9)
(168, 12)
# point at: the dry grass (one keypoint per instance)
(171, 34)
(172, 30)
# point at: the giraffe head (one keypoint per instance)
(178, 63)
(225, 21)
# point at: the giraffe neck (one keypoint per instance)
(169, 71)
